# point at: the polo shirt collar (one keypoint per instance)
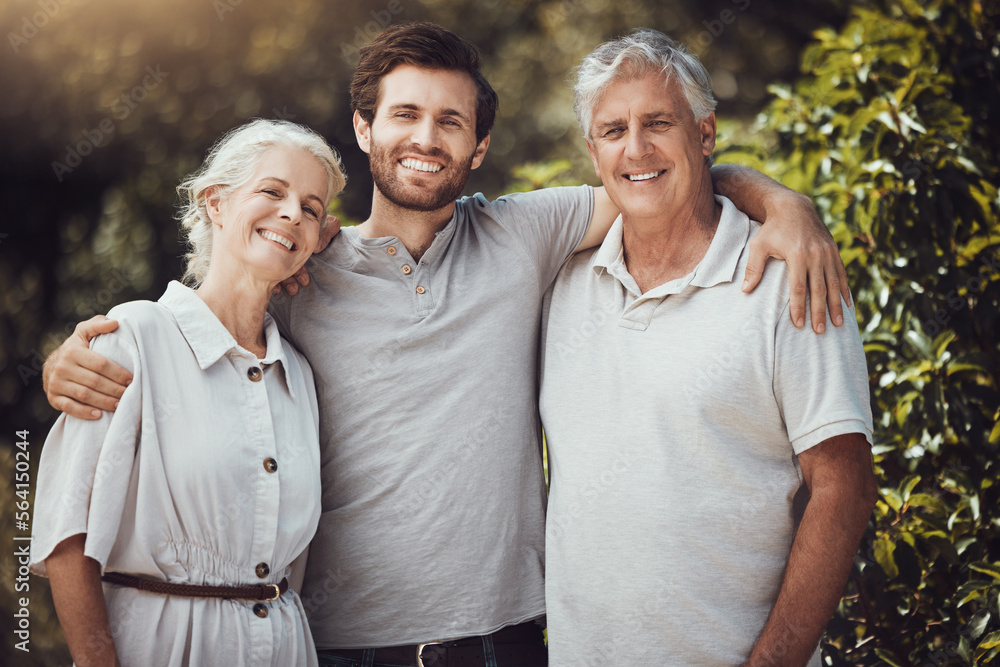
(612, 250)
(717, 266)
(719, 263)
(208, 338)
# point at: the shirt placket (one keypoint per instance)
(639, 308)
(265, 482)
(414, 275)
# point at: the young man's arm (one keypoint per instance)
(79, 381)
(794, 233)
(79, 601)
(842, 494)
(82, 383)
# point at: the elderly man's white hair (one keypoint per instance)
(633, 56)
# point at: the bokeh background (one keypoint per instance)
(884, 111)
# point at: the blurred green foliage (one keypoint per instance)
(892, 129)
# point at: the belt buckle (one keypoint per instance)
(420, 650)
(277, 592)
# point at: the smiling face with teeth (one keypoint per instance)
(647, 147)
(422, 140)
(267, 228)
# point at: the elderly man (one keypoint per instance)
(711, 464)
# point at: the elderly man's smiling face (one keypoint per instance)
(647, 147)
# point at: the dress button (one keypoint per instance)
(263, 570)
(391, 250)
(254, 374)
(260, 610)
(270, 465)
(406, 269)
(420, 289)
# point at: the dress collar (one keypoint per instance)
(209, 339)
(717, 266)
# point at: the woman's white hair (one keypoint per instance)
(229, 165)
(634, 56)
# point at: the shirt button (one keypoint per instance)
(420, 289)
(407, 269)
(270, 465)
(263, 570)
(260, 610)
(254, 374)
(391, 250)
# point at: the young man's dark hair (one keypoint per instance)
(426, 45)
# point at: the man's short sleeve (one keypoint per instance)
(549, 224)
(821, 381)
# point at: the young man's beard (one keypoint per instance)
(383, 163)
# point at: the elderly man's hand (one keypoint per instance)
(330, 228)
(814, 265)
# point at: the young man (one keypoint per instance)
(421, 327)
(710, 464)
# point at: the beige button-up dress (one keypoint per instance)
(207, 474)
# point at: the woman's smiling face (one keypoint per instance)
(271, 224)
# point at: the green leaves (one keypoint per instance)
(536, 175)
(886, 129)
(884, 556)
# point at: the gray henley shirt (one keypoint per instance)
(433, 493)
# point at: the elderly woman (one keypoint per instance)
(192, 499)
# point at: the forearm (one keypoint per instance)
(752, 192)
(601, 220)
(79, 601)
(818, 566)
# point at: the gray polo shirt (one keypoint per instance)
(433, 494)
(673, 420)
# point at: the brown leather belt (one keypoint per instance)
(516, 644)
(264, 592)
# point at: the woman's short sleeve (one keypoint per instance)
(85, 467)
